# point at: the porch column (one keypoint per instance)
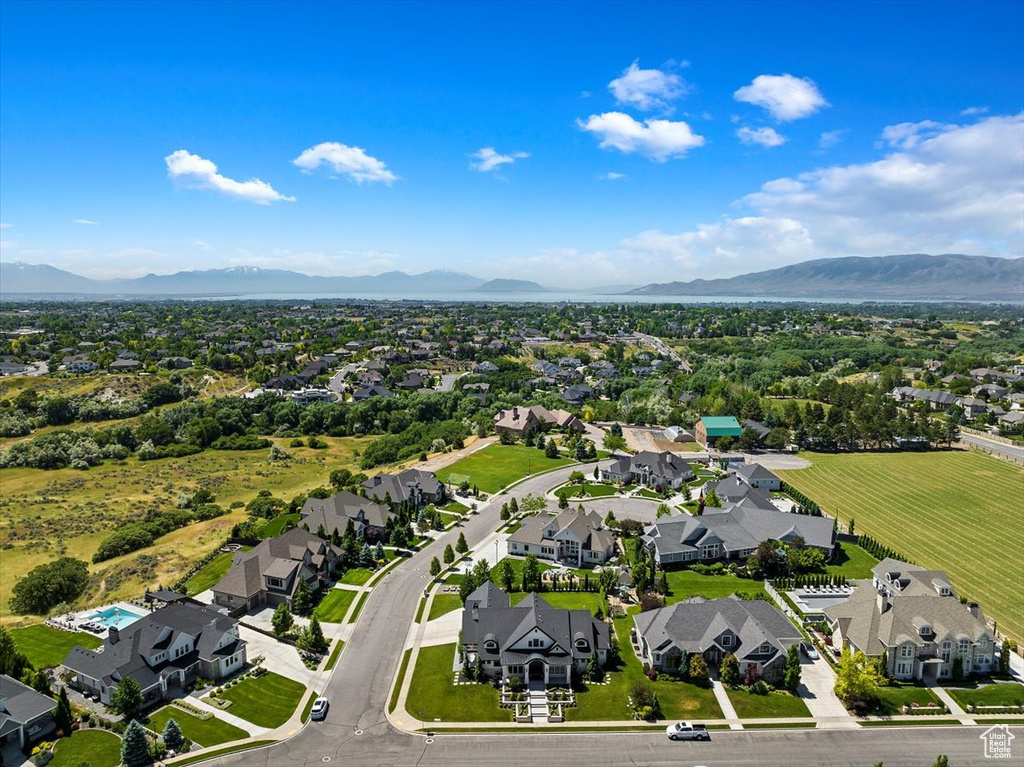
(546, 669)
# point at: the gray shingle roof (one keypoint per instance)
(335, 512)
(21, 704)
(400, 485)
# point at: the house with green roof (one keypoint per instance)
(711, 428)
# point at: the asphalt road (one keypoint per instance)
(359, 687)
(990, 444)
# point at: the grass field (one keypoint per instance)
(496, 466)
(565, 600)
(205, 732)
(267, 701)
(208, 575)
(750, 706)
(274, 527)
(998, 694)
(47, 647)
(852, 561)
(357, 576)
(432, 696)
(679, 700)
(591, 489)
(47, 514)
(332, 608)
(335, 654)
(939, 508)
(683, 584)
(444, 604)
(97, 748)
(897, 696)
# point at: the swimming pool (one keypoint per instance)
(117, 617)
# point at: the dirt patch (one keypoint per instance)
(652, 439)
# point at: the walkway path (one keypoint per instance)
(726, 705)
(253, 729)
(954, 707)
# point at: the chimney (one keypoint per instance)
(975, 611)
(114, 636)
(515, 413)
(883, 602)
(476, 612)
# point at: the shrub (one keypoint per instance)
(62, 580)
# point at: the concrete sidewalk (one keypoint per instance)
(726, 705)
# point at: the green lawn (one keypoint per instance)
(566, 600)
(274, 527)
(686, 583)
(456, 507)
(939, 509)
(304, 717)
(205, 732)
(997, 694)
(591, 489)
(679, 700)
(47, 647)
(266, 701)
(357, 576)
(496, 466)
(443, 604)
(334, 606)
(433, 696)
(97, 748)
(852, 561)
(209, 574)
(645, 493)
(393, 701)
(750, 706)
(335, 652)
(359, 606)
(894, 697)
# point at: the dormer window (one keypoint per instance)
(490, 645)
(582, 644)
(726, 640)
(765, 648)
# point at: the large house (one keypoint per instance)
(520, 421)
(368, 517)
(657, 470)
(533, 640)
(756, 632)
(25, 715)
(269, 574)
(573, 537)
(163, 651)
(412, 485)
(734, 491)
(733, 532)
(756, 475)
(913, 618)
(710, 428)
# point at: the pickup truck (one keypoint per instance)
(687, 731)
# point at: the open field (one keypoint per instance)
(496, 466)
(852, 561)
(433, 696)
(267, 701)
(998, 694)
(46, 514)
(958, 511)
(750, 706)
(205, 732)
(683, 584)
(47, 647)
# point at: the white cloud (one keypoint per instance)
(201, 244)
(785, 97)
(830, 138)
(487, 159)
(612, 176)
(351, 161)
(85, 222)
(4, 225)
(659, 140)
(973, 111)
(193, 171)
(767, 137)
(647, 89)
(909, 135)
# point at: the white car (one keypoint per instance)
(808, 650)
(319, 710)
(687, 731)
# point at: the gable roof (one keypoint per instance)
(20, 704)
(721, 426)
(335, 512)
(401, 485)
(277, 557)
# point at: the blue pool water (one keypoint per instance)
(117, 617)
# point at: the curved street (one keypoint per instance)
(357, 732)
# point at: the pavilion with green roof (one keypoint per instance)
(711, 428)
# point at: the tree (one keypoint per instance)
(1004, 658)
(12, 662)
(766, 557)
(551, 449)
(504, 512)
(461, 546)
(563, 500)
(46, 585)
(664, 510)
(281, 620)
(507, 575)
(699, 671)
(449, 554)
(729, 671)
(41, 682)
(531, 573)
(62, 715)
(317, 642)
(614, 442)
(610, 520)
(577, 478)
(134, 746)
(513, 506)
(852, 526)
(857, 682)
(302, 599)
(127, 698)
(435, 567)
(791, 676)
(172, 736)
(711, 499)
(941, 761)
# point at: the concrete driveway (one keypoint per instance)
(817, 680)
(280, 657)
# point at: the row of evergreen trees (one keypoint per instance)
(812, 579)
(804, 504)
(878, 551)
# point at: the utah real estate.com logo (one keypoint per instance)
(997, 741)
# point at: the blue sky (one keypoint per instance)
(568, 143)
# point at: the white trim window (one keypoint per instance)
(907, 651)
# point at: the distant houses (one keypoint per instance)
(660, 471)
(520, 421)
(368, 518)
(410, 486)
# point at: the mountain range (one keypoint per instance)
(913, 276)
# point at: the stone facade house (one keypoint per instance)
(657, 470)
(571, 537)
(412, 485)
(368, 517)
(163, 651)
(532, 640)
(913, 618)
